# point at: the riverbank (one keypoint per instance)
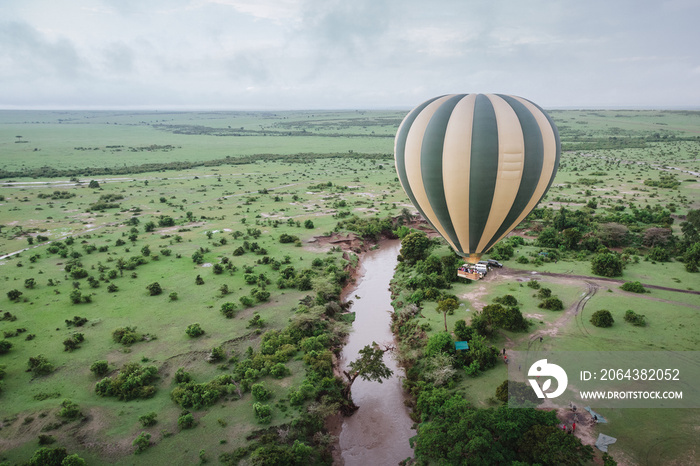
(378, 432)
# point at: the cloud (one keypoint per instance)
(27, 53)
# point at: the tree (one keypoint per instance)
(5, 346)
(613, 235)
(94, 184)
(154, 289)
(99, 368)
(48, 457)
(414, 247)
(602, 318)
(607, 264)
(549, 445)
(369, 366)
(308, 224)
(447, 306)
(14, 295)
(194, 330)
(142, 442)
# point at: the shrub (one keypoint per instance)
(506, 300)
(173, 296)
(263, 413)
(148, 420)
(132, 382)
(606, 264)
(279, 370)
(154, 289)
(48, 457)
(260, 393)
(5, 346)
(72, 343)
(69, 410)
(217, 354)
(440, 343)
(99, 368)
(229, 310)
(142, 442)
(182, 376)
(602, 318)
(194, 330)
(658, 254)
(125, 335)
(14, 295)
(634, 287)
(534, 284)
(552, 303)
(635, 319)
(308, 224)
(186, 421)
(39, 365)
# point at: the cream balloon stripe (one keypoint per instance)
(455, 169)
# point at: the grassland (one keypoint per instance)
(270, 172)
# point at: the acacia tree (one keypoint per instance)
(369, 366)
(447, 306)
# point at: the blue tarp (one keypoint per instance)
(461, 345)
(601, 419)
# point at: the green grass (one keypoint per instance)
(226, 198)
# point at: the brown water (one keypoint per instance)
(378, 433)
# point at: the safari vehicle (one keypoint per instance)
(471, 271)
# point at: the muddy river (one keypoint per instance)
(378, 433)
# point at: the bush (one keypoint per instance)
(39, 365)
(186, 421)
(635, 319)
(229, 310)
(606, 264)
(634, 287)
(48, 457)
(552, 303)
(658, 254)
(194, 330)
(142, 442)
(440, 343)
(154, 289)
(506, 300)
(126, 336)
(260, 393)
(99, 368)
(263, 413)
(279, 370)
(132, 382)
(5, 346)
(544, 293)
(534, 284)
(602, 318)
(14, 295)
(69, 410)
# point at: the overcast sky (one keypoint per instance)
(317, 54)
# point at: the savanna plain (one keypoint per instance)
(172, 281)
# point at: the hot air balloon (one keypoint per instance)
(474, 165)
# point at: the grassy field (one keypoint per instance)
(210, 203)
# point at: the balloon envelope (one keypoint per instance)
(475, 165)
